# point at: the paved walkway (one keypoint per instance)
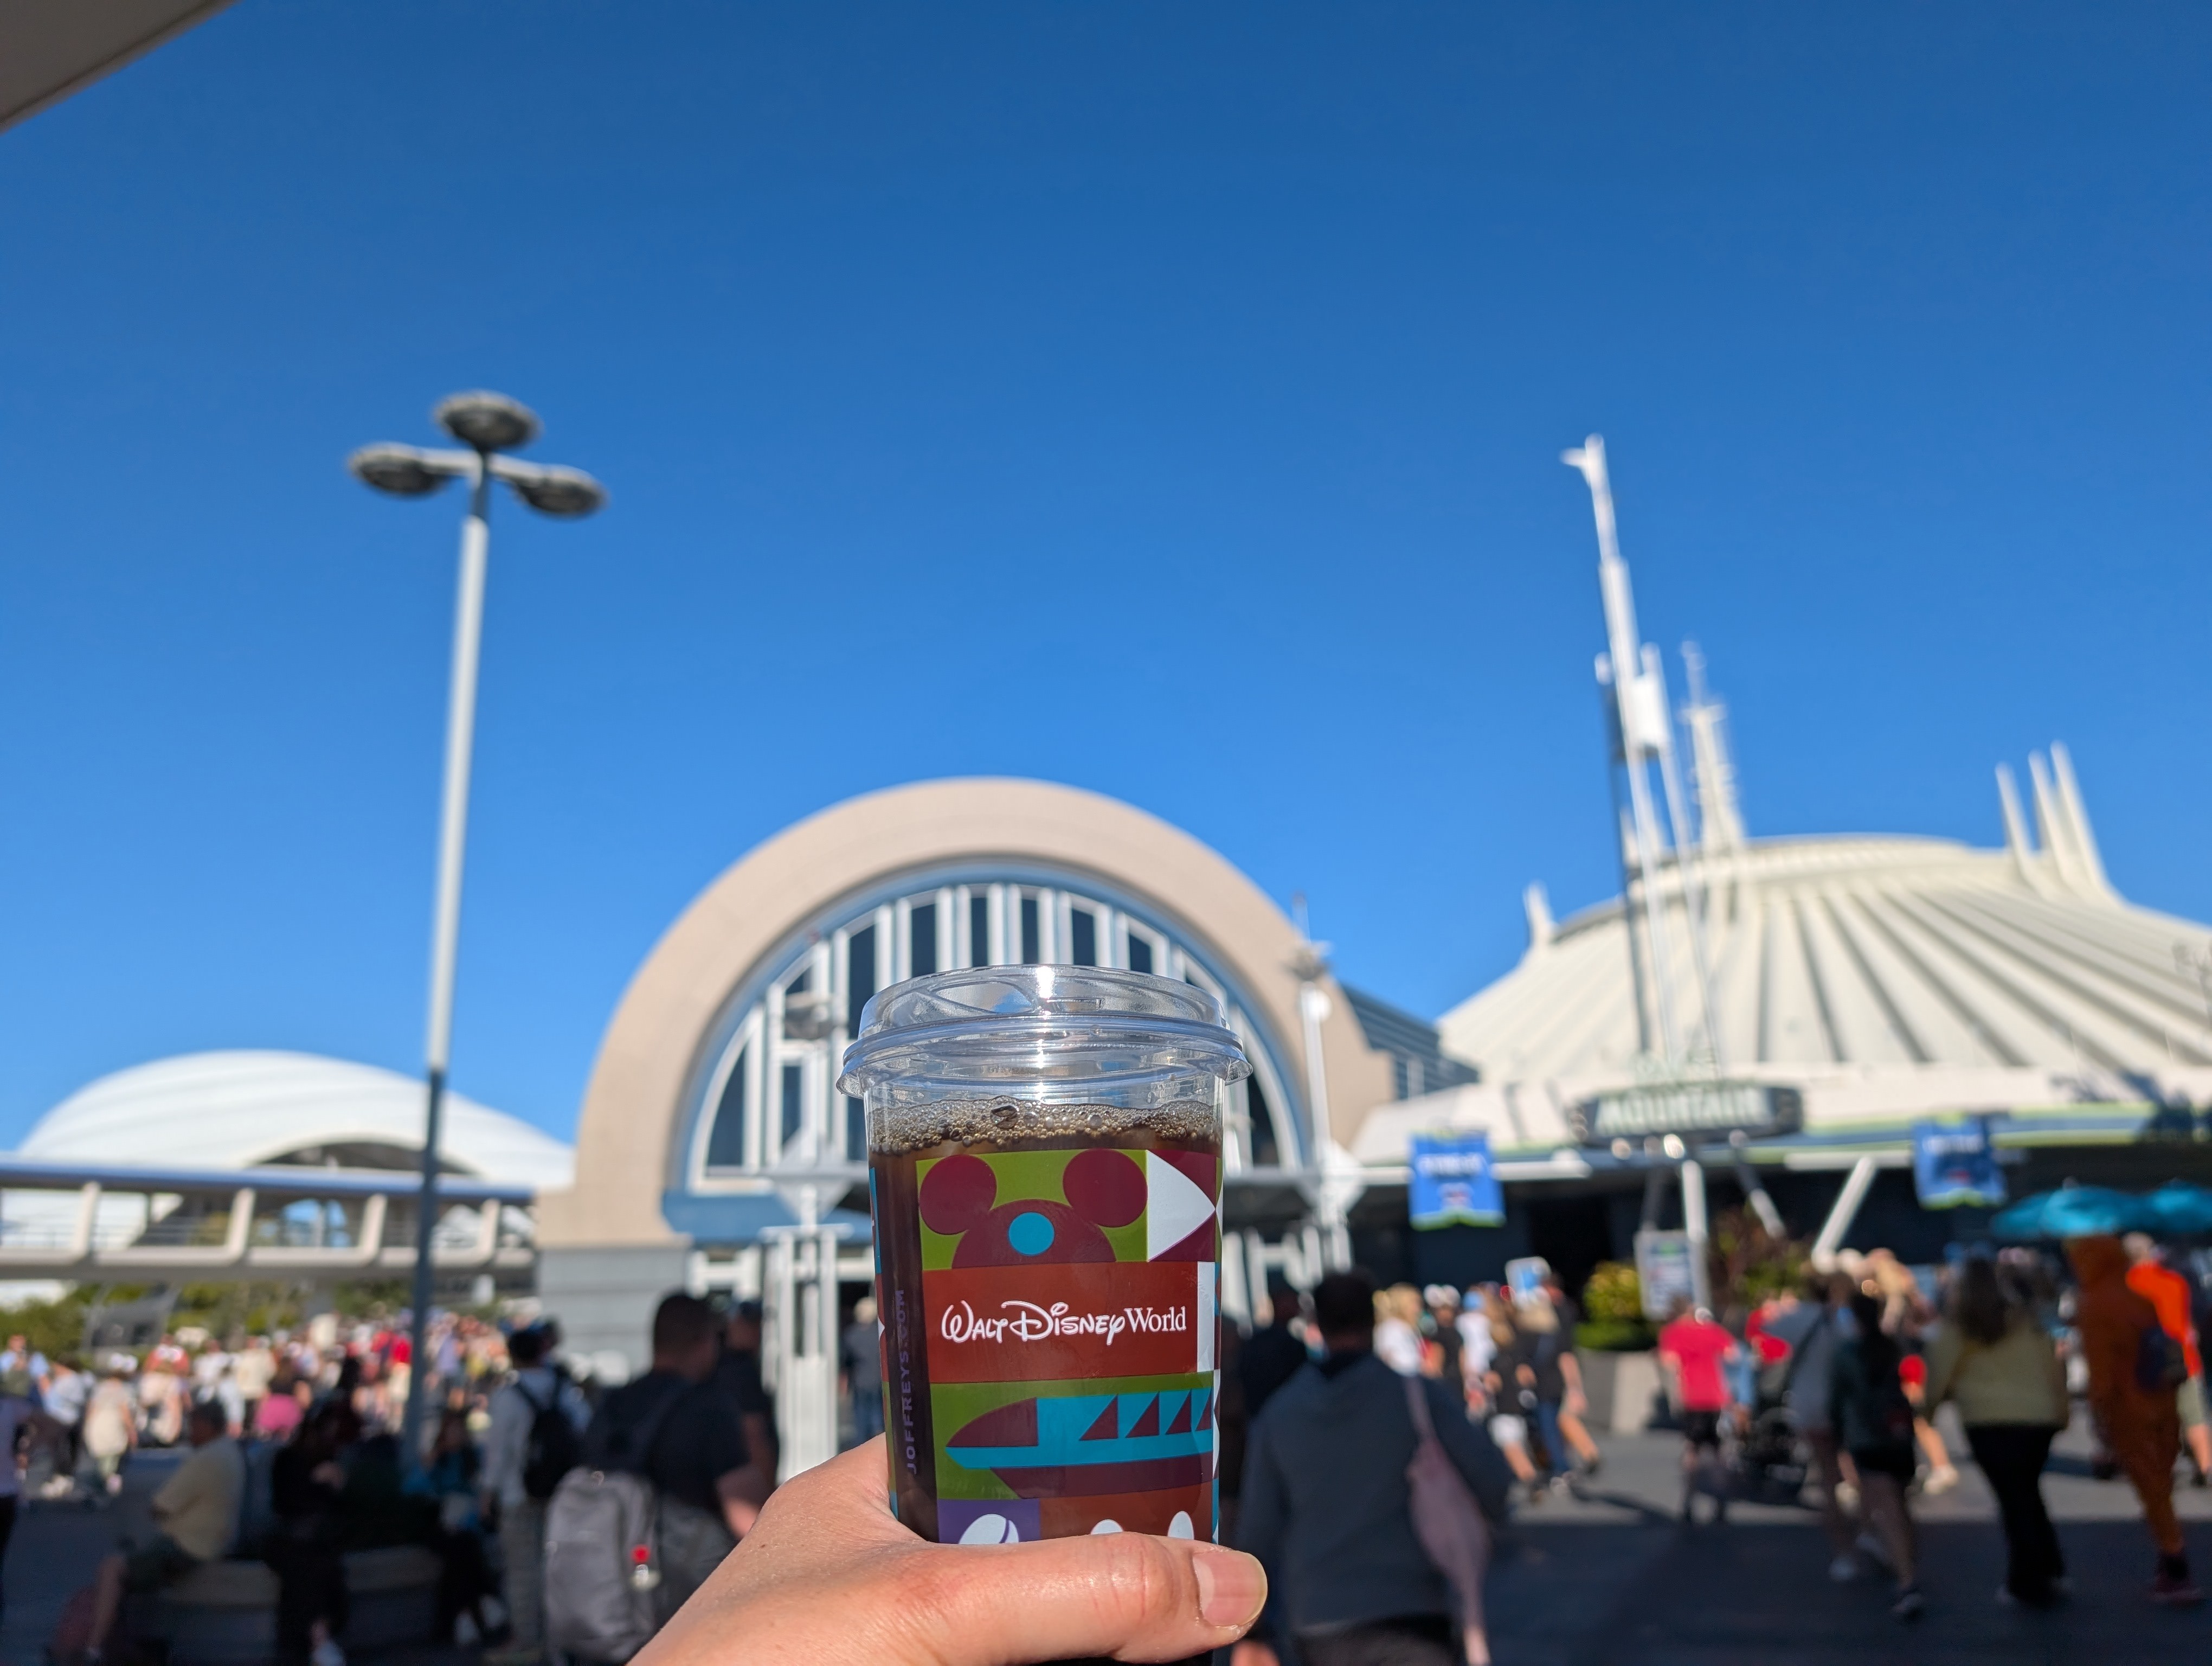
(1614, 1578)
(56, 1546)
(54, 1550)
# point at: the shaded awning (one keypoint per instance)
(50, 48)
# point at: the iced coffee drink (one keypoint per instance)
(1045, 1166)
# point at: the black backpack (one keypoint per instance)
(2161, 1365)
(1889, 1410)
(554, 1447)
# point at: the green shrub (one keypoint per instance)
(1747, 1266)
(1614, 1293)
(1614, 1336)
(52, 1327)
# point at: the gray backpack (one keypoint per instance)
(603, 1556)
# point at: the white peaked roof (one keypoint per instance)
(1863, 951)
(238, 1110)
(1885, 979)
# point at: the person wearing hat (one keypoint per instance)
(1440, 1352)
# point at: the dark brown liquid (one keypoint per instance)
(903, 1141)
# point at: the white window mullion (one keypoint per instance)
(814, 1116)
(772, 1058)
(755, 1086)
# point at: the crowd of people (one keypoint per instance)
(1829, 1392)
(1846, 1377)
(291, 1456)
(101, 1407)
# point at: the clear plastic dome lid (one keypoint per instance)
(994, 1025)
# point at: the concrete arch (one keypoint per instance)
(634, 1107)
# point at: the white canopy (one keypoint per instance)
(239, 1110)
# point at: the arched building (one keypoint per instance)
(263, 1164)
(711, 1117)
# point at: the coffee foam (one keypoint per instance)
(901, 1129)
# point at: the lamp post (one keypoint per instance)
(489, 425)
(1330, 1243)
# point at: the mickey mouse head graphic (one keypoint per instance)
(959, 1198)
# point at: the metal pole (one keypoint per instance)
(1654, 1195)
(1693, 1223)
(1762, 1204)
(1622, 653)
(1627, 871)
(1689, 868)
(452, 838)
(1846, 1211)
(1313, 1010)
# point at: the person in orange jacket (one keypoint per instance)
(2167, 1291)
(2141, 1422)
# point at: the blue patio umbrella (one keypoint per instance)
(2074, 1211)
(2180, 1209)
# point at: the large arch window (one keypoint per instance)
(765, 1099)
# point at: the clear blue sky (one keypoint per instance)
(1157, 398)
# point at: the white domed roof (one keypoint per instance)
(239, 1110)
(1860, 952)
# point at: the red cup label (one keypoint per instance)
(1070, 1320)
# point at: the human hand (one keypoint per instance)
(1252, 1652)
(828, 1577)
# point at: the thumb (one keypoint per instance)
(1129, 1595)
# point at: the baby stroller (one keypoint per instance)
(1765, 1462)
(1764, 1457)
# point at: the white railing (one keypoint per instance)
(75, 1223)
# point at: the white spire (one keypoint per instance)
(1636, 706)
(2016, 840)
(1538, 907)
(2052, 828)
(1712, 772)
(1647, 736)
(2077, 819)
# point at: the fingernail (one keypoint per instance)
(1230, 1587)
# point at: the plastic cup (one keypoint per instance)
(1044, 1152)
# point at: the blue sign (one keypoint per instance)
(1453, 1182)
(1956, 1164)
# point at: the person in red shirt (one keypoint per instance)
(1771, 1350)
(2168, 1292)
(1694, 1353)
